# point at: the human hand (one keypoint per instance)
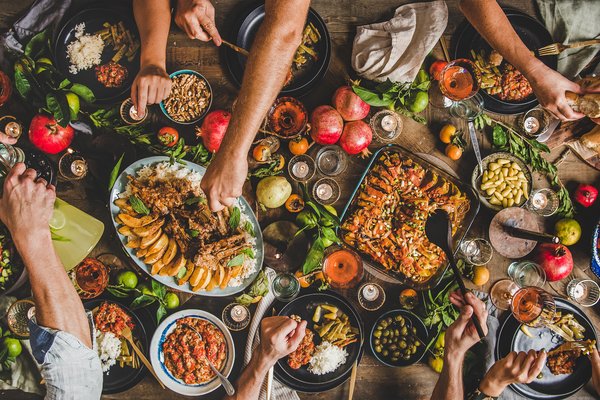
(4, 138)
(595, 360)
(224, 179)
(26, 204)
(151, 85)
(279, 336)
(550, 87)
(593, 87)
(197, 19)
(514, 368)
(462, 334)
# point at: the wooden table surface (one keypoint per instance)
(374, 381)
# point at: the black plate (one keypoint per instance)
(511, 338)
(244, 30)
(421, 334)
(93, 19)
(120, 379)
(302, 380)
(531, 32)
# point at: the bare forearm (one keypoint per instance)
(57, 304)
(153, 19)
(491, 22)
(449, 385)
(252, 378)
(268, 64)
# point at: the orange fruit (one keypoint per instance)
(481, 275)
(453, 151)
(280, 163)
(305, 280)
(294, 203)
(298, 146)
(447, 132)
(261, 153)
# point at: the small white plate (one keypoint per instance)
(157, 357)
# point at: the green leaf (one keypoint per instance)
(195, 200)
(234, 217)
(114, 174)
(244, 299)
(248, 227)
(58, 238)
(159, 289)
(117, 292)
(22, 84)
(193, 232)
(371, 97)
(64, 83)
(36, 45)
(138, 205)
(499, 137)
(237, 260)
(59, 108)
(84, 92)
(142, 301)
(329, 234)
(161, 312)
(314, 257)
(248, 252)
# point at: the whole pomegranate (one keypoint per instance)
(213, 129)
(555, 259)
(326, 125)
(350, 106)
(48, 136)
(356, 137)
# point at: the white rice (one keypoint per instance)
(108, 347)
(165, 171)
(85, 51)
(326, 358)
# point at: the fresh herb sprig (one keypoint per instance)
(157, 295)
(258, 289)
(505, 138)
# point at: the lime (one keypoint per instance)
(128, 279)
(172, 300)
(73, 101)
(145, 289)
(418, 102)
(13, 346)
(57, 220)
(568, 231)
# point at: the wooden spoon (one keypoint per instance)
(126, 333)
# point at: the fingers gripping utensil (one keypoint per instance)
(224, 381)
(439, 232)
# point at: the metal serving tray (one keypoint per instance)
(458, 236)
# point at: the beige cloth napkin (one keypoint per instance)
(280, 392)
(395, 49)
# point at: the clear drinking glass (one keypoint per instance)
(285, 286)
(584, 291)
(526, 273)
(331, 160)
(477, 251)
(459, 80)
(543, 202)
(467, 109)
(533, 306)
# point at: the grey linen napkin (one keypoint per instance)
(280, 392)
(395, 49)
(569, 22)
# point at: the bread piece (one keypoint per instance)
(591, 140)
(588, 104)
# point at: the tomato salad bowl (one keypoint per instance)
(178, 355)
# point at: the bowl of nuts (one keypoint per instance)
(190, 97)
(506, 181)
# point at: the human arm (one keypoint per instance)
(548, 85)
(152, 84)
(279, 337)
(266, 70)
(197, 19)
(595, 360)
(25, 209)
(460, 337)
(514, 368)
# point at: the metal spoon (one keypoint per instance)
(224, 381)
(439, 232)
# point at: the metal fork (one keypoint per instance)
(224, 381)
(570, 346)
(557, 48)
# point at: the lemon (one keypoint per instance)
(57, 220)
(73, 101)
